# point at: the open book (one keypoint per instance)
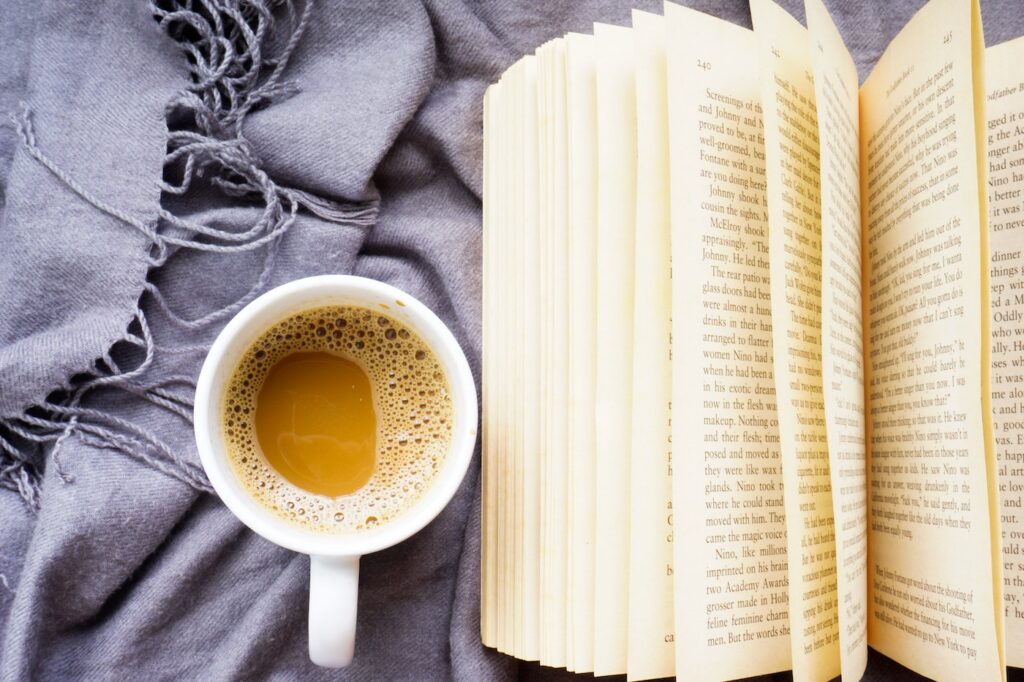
(754, 350)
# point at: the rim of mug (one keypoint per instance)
(278, 304)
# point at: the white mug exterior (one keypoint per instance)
(334, 564)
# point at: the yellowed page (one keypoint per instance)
(488, 312)
(581, 108)
(794, 226)
(651, 648)
(1005, 86)
(530, 403)
(842, 353)
(503, 544)
(518, 216)
(504, 556)
(543, 309)
(558, 426)
(728, 522)
(503, 550)
(616, 218)
(555, 303)
(932, 593)
(560, 368)
(523, 214)
(991, 462)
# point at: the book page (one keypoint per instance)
(487, 385)
(729, 528)
(794, 227)
(616, 218)
(508, 555)
(544, 309)
(560, 369)
(555, 298)
(1005, 137)
(582, 131)
(532, 414)
(932, 577)
(504, 556)
(527, 408)
(842, 353)
(651, 645)
(541, 274)
(560, 491)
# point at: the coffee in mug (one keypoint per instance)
(337, 418)
(344, 438)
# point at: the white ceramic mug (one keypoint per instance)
(334, 559)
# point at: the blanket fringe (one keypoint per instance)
(236, 52)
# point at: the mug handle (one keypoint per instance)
(333, 594)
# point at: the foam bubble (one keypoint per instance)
(410, 443)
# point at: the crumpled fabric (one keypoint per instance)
(362, 155)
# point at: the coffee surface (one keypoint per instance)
(338, 418)
(316, 423)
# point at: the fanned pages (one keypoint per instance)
(753, 350)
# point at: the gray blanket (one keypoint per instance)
(163, 164)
